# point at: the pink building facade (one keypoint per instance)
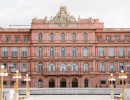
(63, 52)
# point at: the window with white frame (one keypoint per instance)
(4, 52)
(121, 66)
(24, 67)
(128, 51)
(51, 37)
(14, 67)
(111, 51)
(40, 67)
(51, 67)
(117, 38)
(102, 66)
(14, 52)
(24, 51)
(85, 67)
(7, 38)
(99, 38)
(40, 52)
(62, 52)
(62, 37)
(63, 67)
(111, 66)
(40, 37)
(74, 53)
(85, 37)
(74, 67)
(51, 52)
(121, 51)
(74, 37)
(108, 38)
(101, 51)
(26, 38)
(85, 52)
(17, 39)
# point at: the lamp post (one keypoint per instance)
(122, 76)
(112, 79)
(16, 76)
(27, 79)
(3, 72)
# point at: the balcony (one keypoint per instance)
(62, 73)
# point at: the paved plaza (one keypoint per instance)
(70, 97)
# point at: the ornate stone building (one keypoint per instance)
(65, 52)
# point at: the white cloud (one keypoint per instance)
(114, 13)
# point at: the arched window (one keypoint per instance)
(74, 67)
(51, 37)
(40, 67)
(52, 67)
(63, 67)
(85, 52)
(85, 37)
(40, 83)
(51, 52)
(40, 53)
(86, 67)
(74, 53)
(40, 37)
(63, 37)
(74, 37)
(63, 52)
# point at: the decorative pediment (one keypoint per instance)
(63, 17)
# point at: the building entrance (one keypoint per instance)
(63, 83)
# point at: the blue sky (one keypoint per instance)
(114, 13)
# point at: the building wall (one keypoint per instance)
(41, 78)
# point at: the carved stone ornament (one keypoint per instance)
(63, 17)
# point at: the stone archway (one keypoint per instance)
(63, 83)
(75, 83)
(40, 83)
(51, 83)
(86, 83)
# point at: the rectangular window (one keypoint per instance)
(24, 51)
(24, 67)
(111, 67)
(14, 67)
(74, 37)
(127, 38)
(111, 51)
(7, 38)
(85, 37)
(12, 82)
(23, 82)
(128, 51)
(102, 66)
(14, 52)
(108, 38)
(63, 37)
(5, 64)
(26, 38)
(101, 51)
(121, 66)
(99, 38)
(51, 37)
(17, 39)
(4, 82)
(102, 82)
(117, 38)
(121, 52)
(4, 52)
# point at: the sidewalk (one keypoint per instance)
(70, 97)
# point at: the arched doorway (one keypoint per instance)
(40, 83)
(51, 83)
(86, 83)
(74, 82)
(63, 83)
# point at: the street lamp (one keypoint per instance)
(3, 72)
(27, 79)
(16, 76)
(122, 76)
(112, 79)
